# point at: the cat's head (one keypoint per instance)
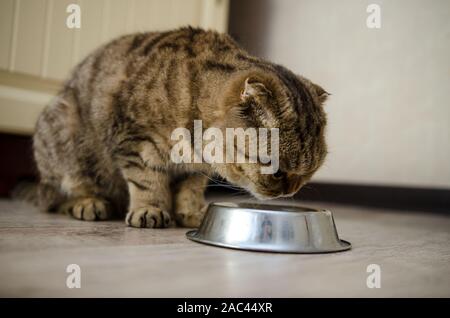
(277, 98)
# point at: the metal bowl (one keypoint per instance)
(269, 228)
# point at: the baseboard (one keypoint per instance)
(16, 161)
(396, 198)
(401, 198)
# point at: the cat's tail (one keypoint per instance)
(26, 191)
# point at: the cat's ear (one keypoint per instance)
(321, 93)
(252, 89)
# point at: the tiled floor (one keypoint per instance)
(412, 249)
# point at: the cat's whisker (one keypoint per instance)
(220, 183)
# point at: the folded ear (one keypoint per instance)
(321, 93)
(253, 89)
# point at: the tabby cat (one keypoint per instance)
(102, 146)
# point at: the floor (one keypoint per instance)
(412, 250)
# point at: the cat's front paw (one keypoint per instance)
(89, 209)
(190, 219)
(148, 216)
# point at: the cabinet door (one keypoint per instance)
(38, 50)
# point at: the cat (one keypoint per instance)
(102, 145)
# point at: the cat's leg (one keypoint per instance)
(148, 182)
(85, 200)
(49, 198)
(49, 195)
(80, 201)
(88, 208)
(189, 200)
(69, 171)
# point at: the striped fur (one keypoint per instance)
(102, 146)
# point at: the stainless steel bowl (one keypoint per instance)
(269, 228)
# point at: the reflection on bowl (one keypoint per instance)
(269, 228)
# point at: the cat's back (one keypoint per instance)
(187, 42)
(136, 57)
(144, 49)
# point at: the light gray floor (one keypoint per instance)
(412, 249)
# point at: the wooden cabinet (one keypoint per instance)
(38, 50)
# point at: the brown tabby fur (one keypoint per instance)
(102, 146)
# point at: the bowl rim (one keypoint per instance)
(191, 235)
(263, 208)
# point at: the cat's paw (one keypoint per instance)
(89, 209)
(148, 216)
(190, 219)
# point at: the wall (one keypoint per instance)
(389, 113)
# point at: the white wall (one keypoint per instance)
(389, 116)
